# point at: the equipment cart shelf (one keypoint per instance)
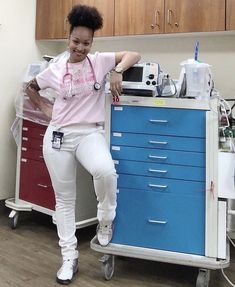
(203, 263)
(169, 207)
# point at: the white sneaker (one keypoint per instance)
(67, 271)
(104, 232)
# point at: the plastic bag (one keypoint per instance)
(24, 107)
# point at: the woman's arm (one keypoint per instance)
(124, 60)
(32, 91)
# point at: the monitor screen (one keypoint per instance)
(133, 74)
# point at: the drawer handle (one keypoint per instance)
(157, 170)
(41, 135)
(25, 129)
(42, 185)
(157, 157)
(158, 121)
(157, 221)
(25, 139)
(41, 146)
(24, 149)
(156, 142)
(41, 156)
(157, 185)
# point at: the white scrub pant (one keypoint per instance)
(87, 144)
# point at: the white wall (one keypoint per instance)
(18, 48)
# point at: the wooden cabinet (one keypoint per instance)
(138, 17)
(51, 17)
(168, 16)
(230, 15)
(194, 16)
(133, 17)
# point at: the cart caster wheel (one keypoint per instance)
(203, 278)
(13, 219)
(107, 267)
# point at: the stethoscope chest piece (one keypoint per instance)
(97, 86)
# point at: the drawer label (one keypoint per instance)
(117, 135)
(159, 102)
(115, 147)
(118, 108)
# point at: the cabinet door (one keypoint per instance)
(51, 19)
(106, 8)
(194, 16)
(230, 15)
(133, 17)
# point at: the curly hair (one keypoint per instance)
(86, 16)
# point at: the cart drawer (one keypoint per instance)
(33, 130)
(162, 121)
(31, 154)
(161, 221)
(158, 156)
(35, 184)
(158, 141)
(160, 184)
(32, 143)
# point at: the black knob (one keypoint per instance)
(151, 76)
(154, 83)
(148, 83)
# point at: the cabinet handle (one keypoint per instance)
(176, 24)
(157, 185)
(156, 20)
(156, 142)
(42, 185)
(157, 157)
(158, 121)
(25, 139)
(25, 129)
(169, 13)
(157, 221)
(24, 149)
(157, 170)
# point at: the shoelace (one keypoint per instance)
(67, 264)
(106, 229)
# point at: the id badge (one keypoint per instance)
(57, 139)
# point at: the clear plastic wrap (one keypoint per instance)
(27, 110)
(24, 107)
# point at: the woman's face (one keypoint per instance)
(80, 41)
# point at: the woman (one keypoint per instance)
(76, 129)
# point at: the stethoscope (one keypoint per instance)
(96, 86)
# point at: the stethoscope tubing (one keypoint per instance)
(97, 85)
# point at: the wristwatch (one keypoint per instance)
(118, 70)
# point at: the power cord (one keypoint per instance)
(222, 270)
